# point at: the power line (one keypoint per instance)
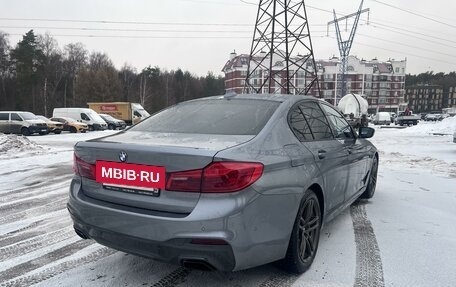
(123, 30)
(414, 13)
(408, 54)
(150, 37)
(130, 30)
(413, 36)
(124, 22)
(406, 45)
(132, 22)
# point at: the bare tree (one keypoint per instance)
(4, 66)
(52, 68)
(75, 60)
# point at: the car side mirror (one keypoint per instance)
(366, 132)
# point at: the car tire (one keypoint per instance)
(372, 184)
(58, 132)
(73, 130)
(305, 236)
(25, 131)
(43, 133)
(111, 127)
(91, 128)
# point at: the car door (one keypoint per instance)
(357, 153)
(311, 127)
(16, 123)
(4, 123)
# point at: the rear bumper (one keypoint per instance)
(99, 127)
(174, 251)
(38, 129)
(81, 129)
(255, 227)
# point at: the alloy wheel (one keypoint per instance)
(309, 224)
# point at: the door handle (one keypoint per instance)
(321, 154)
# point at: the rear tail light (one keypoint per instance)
(83, 168)
(185, 181)
(218, 177)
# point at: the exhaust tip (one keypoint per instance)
(81, 234)
(198, 264)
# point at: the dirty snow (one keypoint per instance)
(17, 146)
(412, 216)
(446, 126)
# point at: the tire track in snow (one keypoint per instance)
(52, 271)
(174, 278)
(369, 270)
(35, 228)
(44, 209)
(281, 279)
(16, 207)
(35, 243)
(15, 195)
(44, 260)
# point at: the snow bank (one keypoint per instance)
(14, 145)
(446, 126)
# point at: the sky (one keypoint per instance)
(199, 35)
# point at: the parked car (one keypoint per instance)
(87, 116)
(225, 183)
(71, 125)
(382, 118)
(54, 127)
(113, 123)
(433, 117)
(24, 123)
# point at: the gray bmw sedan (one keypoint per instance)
(223, 183)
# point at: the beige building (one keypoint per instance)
(381, 83)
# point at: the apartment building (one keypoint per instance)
(382, 83)
(424, 98)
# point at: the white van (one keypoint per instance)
(83, 115)
(382, 118)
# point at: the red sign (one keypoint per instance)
(108, 108)
(128, 174)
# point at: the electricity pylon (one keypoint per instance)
(281, 58)
(344, 48)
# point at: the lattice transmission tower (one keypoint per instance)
(281, 57)
(345, 47)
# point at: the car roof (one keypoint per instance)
(266, 97)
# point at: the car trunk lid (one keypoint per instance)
(175, 152)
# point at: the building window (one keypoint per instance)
(243, 73)
(397, 69)
(327, 93)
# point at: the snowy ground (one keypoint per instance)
(405, 236)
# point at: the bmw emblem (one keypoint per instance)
(123, 156)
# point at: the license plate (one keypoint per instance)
(144, 191)
(43, 131)
(130, 175)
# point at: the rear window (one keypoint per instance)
(4, 116)
(221, 116)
